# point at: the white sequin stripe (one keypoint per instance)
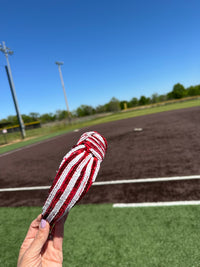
(82, 185)
(60, 181)
(98, 136)
(68, 189)
(70, 152)
(84, 136)
(97, 145)
(96, 154)
(99, 139)
(96, 171)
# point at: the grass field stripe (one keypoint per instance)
(156, 204)
(148, 180)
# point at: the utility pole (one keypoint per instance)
(63, 86)
(7, 51)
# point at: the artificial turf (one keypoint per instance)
(100, 235)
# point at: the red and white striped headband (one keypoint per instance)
(77, 172)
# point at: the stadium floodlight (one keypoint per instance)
(59, 63)
(7, 51)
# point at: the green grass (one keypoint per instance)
(99, 235)
(43, 133)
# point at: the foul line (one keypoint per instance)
(156, 204)
(31, 188)
(147, 180)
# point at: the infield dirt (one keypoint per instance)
(168, 146)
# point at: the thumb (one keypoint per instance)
(40, 238)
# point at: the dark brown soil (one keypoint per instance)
(168, 145)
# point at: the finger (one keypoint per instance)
(40, 238)
(32, 231)
(59, 233)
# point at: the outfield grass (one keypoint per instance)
(99, 235)
(43, 133)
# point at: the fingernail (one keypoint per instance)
(43, 223)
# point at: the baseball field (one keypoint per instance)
(150, 159)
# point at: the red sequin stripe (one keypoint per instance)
(57, 185)
(99, 140)
(62, 168)
(102, 146)
(96, 139)
(91, 143)
(64, 184)
(72, 194)
(89, 183)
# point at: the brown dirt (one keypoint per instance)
(168, 146)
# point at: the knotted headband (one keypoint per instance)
(77, 172)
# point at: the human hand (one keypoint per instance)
(41, 249)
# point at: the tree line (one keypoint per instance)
(114, 105)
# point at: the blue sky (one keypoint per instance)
(110, 48)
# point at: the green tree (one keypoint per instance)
(85, 110)
(26, 118)
(162, 98)
(13, 120)
(113, 105)
(144, 100)
(34, 116)
(101, 109)
(178, 91)
(155, 98)
(61, 114)
(170, 96)
(5, 122)
(47, 117)
(193, 90)
(133, 102)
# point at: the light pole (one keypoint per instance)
(7, 52)
(63, 86)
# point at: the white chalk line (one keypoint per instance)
(147, 180)
(30, 188)
(156, 204)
